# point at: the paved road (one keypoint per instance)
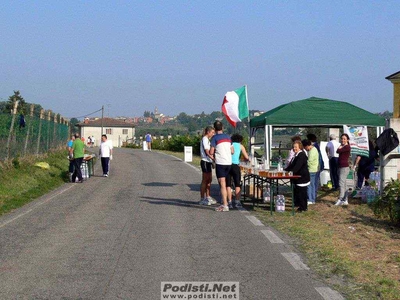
(120, 237)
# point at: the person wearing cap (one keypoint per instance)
(333, 157)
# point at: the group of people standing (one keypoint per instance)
(224, 151)
(76, 153)
(305, 160)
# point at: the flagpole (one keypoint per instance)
(248, 121)
(247, 101)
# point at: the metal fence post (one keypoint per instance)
(39, 131)
(29, 129)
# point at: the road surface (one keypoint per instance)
(120, 237)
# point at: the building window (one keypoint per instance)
(108, 131)
(124, 131)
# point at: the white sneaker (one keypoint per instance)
(310, 203)
(205, 202)
(341, 202)
(222, 208)
(211, 200)
(338, 202)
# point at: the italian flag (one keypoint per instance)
(235, 106)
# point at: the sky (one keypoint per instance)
(75, 57)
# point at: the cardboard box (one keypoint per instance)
(254, 193)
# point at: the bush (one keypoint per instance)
(388, 204)
(178, 143)
(175, 144)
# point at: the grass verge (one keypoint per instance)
(354, 251)
(24, 182)
(195, 158)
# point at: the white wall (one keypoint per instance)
(116, 135)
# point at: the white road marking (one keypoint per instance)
(255, 221)
(295, 261)
(329, 294)
(17, 217)
(272, 237)
(35, 206)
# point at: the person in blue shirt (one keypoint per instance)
(234, 174)
(148, 141)
(70, 156)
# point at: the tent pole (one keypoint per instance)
(248, 120)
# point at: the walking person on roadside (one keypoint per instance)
(343, 162)
(77, 151)
(70, 157)
(222, 150)
(312, 163)
(299, 166)
(235, 174)
(206, 167)
(105, 152)
(333, 157)
(148, 141)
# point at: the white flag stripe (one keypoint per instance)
(232, 106)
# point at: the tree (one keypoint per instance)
(73, 122)
(3, 107)
(146, 114)
(22, 105)
(183, 118)
(386, 114)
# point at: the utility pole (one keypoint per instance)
(102, 118)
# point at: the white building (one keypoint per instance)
(117, 131)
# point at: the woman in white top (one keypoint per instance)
(206, 166)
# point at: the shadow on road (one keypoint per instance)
(175, 202)
(159, 184)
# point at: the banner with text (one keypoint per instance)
(358, 139)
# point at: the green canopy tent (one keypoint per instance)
(317, 112)
(312, 112)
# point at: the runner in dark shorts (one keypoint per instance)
(235, 174)
(206, 167)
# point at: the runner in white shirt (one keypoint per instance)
(105, 152)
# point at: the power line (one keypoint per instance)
(88, 114)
